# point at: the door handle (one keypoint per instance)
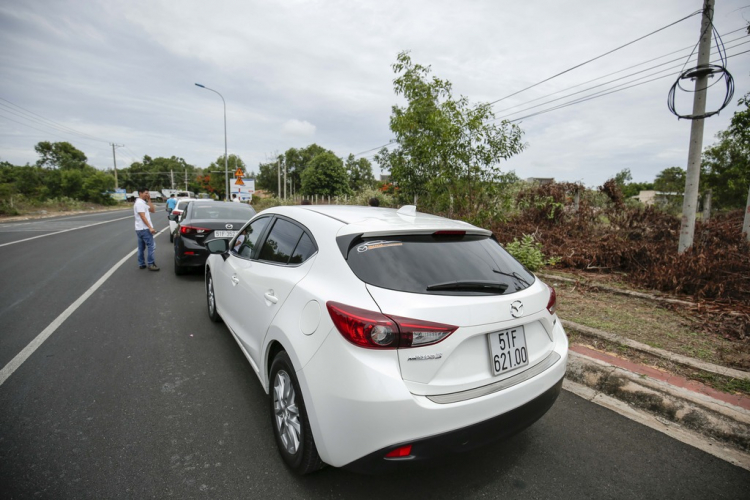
(271, 297)
(235, 280)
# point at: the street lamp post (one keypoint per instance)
(226, 165)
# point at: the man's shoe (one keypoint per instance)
(141, 267)
(153, 267)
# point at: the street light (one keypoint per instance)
(226, 167)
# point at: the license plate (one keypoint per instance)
(224, 234)
(508, 350)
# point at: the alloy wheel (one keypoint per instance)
(286, 412)
(211, 298)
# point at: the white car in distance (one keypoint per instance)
(174, 216)
(386, 337)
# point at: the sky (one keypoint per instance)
(298, 72)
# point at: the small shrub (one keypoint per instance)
(529, 253)
(363, 198)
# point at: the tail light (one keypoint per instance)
(401, 452)
(374, 330)
(449, 233)
(552, 303)
(194, 230)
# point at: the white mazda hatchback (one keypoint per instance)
(386, 337)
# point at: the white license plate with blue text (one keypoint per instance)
(508, 350)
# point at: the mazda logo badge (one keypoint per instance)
(229, 226)
(516, 309)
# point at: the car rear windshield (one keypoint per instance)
(436, 264)
(222, 211)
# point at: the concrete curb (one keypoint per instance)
(673, 406)
(654, 351)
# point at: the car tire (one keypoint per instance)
(178, 269)
(291, 426)
(213, 313)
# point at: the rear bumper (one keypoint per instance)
(357, 419)
(197, 260)
(189, 253)
(460, 440)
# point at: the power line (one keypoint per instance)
(27, 125)
(597, 57)
(601, 84)
(603, 93)
(8, 109)
(390, 143)
(624, 69)
(373, 149)
(62, 128)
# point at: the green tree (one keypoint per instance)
(444, 144)
(670, 180)
(325, 175)
(156, 174)
(623, 177)
(217, 173)
(726, 164)
(62, 155)
(630, 189)
(268, 177)
(360, 173)
(296, 161)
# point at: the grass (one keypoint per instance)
(649, 322)
(646, 321)
(22, 207)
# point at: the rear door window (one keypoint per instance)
(441, 265)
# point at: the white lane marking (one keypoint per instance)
(65, 231)
(27, 351)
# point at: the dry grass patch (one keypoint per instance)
(649, 322)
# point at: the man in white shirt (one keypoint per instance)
(236, 198)
(144, 229)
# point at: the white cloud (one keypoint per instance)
(123, 71)
(299, 128)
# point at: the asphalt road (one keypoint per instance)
(138, 395)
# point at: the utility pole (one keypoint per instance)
(285, 180)
(707, 206)
(114, 159)
(689, 203)
(186, 187)
(278, 172)
(171, 177)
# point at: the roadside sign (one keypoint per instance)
(243, 187)
(239, 174)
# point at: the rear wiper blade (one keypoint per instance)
(513, 275)
(480, 286)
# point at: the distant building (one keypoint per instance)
(541, 180)
(651, 197)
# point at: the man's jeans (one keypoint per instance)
(145, 239)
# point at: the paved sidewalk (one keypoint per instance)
(671, 379)
(716, 422)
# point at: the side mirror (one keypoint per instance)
(218, 245)
(172, 217)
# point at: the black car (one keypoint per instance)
(201, 222)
